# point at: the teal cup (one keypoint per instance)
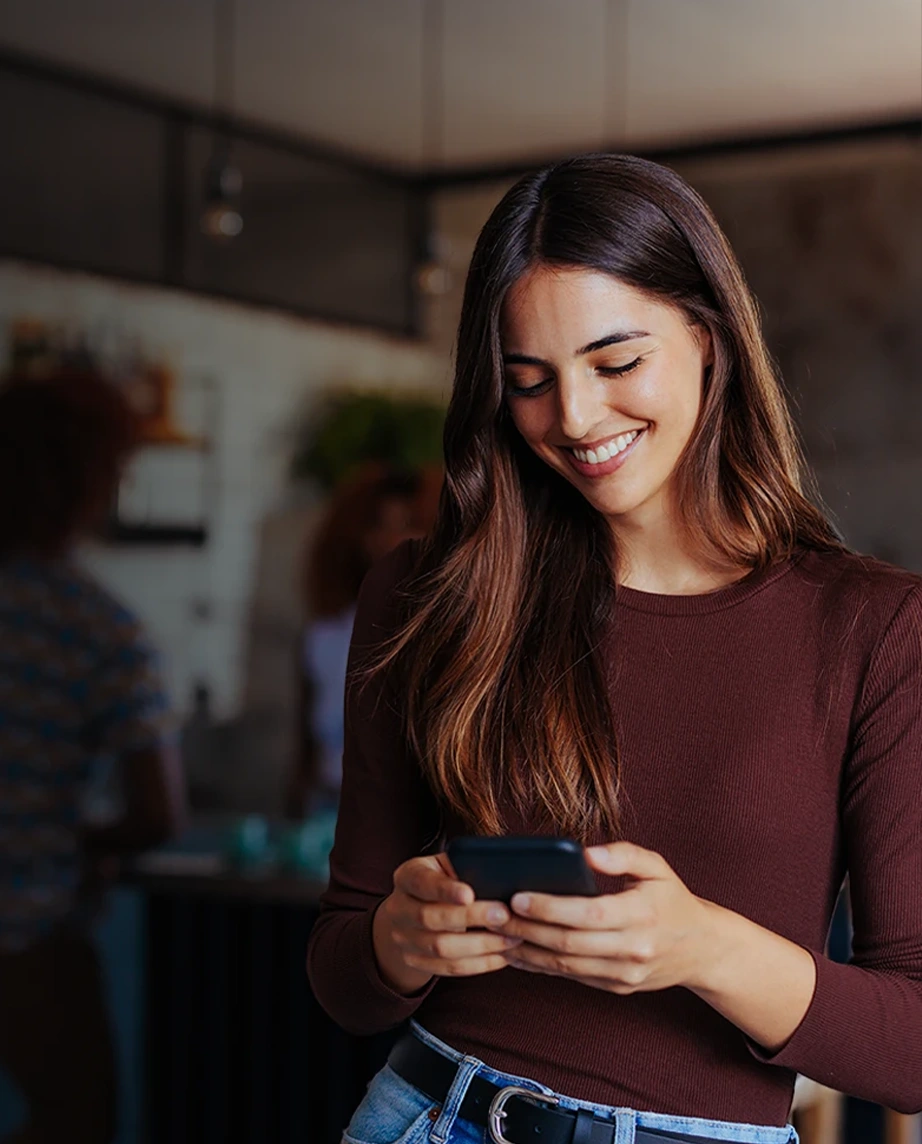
(305, 848)
(248, 843)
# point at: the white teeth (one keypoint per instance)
(606, 452)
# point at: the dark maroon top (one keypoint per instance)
(771, 739)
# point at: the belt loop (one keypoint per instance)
(456, 1094)
(625, 1125)
(582, 1130)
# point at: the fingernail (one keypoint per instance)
(521, 903)
(511, 942)
(496, 915)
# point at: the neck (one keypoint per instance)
(659, 555)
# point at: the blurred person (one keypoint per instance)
(630, 626)
(78, 682)
(369, 515)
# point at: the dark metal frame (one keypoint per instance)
(422, 185)
(176, 118)
(906, 128)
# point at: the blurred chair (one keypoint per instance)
(819, 1116)
(819, 1113)
(900, 1129)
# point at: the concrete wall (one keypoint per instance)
(831, 241)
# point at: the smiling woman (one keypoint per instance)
(630, 625)
(629, 396)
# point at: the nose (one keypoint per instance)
(579, 406)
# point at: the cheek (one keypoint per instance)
(670, 397)
(532, 417)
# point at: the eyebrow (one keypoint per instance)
(600, 344)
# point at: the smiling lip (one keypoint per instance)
(604, 467)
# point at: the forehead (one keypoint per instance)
(550, 304)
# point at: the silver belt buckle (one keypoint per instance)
(498, 1112)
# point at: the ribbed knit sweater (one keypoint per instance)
(770, 736)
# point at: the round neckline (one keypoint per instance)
(702, 602)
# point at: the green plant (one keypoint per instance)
(350, 427)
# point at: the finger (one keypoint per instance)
(626, 858)
(580, 942)
(435, 917)
(438, 917)
(488, 915)
(480, 915)
(459, 946)
(424, 878)
(467, 967)
(606, 912)
(628, 974)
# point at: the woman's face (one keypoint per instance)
(604, 383)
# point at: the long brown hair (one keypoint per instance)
(507, 704)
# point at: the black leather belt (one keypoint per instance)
(515, 1119)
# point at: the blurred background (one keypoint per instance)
(254, 218)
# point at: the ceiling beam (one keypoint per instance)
(448, 177)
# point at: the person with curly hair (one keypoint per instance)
(79, 680)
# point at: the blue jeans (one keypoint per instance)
(394, 1112)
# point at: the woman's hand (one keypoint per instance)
(657, 934)
(653, 935)
(428, 927)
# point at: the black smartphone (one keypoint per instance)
(497, 868)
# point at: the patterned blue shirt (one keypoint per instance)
(78, 680)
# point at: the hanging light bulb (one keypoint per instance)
(433, 275)
(221, 219)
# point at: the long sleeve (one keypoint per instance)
(386, 816)
(862, 1033)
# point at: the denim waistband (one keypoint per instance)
(627, 1119)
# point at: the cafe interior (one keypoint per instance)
(255, 216)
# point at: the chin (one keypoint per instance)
(612, 504)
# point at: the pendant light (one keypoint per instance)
(433, 274)
(221, 219)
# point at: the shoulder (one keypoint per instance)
(115, 623)
(381, 609)
(61, 594)
(865, 593)
(382, 592)
(853, 576)
(117, 638)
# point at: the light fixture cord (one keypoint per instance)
(225, 32)
(615, 77)
(432, 82)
